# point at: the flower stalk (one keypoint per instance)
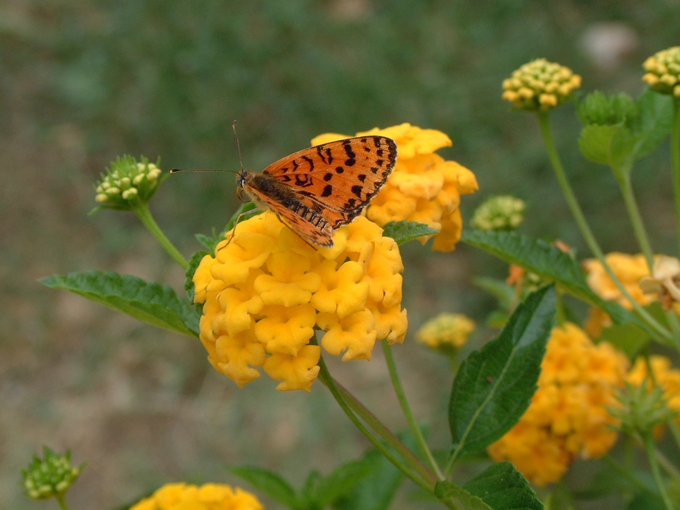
(410, 471)
(544, 121)
(406, 408)
(144, 214)
(648, 440)
(675, 159)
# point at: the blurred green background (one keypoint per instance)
(82, 82)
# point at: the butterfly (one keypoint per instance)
(317, 190)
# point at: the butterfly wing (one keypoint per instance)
(310, 219)
(342, 176)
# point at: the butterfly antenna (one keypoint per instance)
(238, 143)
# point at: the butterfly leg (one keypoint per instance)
(238, 220)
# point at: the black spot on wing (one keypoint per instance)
(327, 191)
(361, 177)
(309, 160)
(339, 169)
(351, 156)
(357, 190)
(327, 177)
(320, 152)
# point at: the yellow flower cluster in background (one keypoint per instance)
(446, 329)
(567, 417)
(423, 187)
(629, 269)
(267, 289)
(663, 71)
(663, 375)
(540, 85)
(180, 496)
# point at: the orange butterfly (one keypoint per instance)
(317, 190)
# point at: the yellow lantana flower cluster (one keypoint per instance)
(266, 290)
(540, 85)
(629, 269)
(663, 375)
(211, 496)
(567, 417)
(446, 329)
(663, 71)
(423, 187)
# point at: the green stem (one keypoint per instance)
(544, 121)
(623, 176)
(649, 446)
(675, 159)
(667, 465)
(144, 214)
(413, 424)
(62, 501)
(326, 378)
(386, 434)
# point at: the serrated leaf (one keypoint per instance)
(494, 385)
(207, 241)
(654, 122)
(445, 490)
(146, 301)
(596, 143)
(502, 487)
(550, 263)
(268, 483)
(405, 231)
(341, 482)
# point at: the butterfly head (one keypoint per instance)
(241, 178)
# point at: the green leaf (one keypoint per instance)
(268, 483)
(494, 385)
(405, 231)
(445, 490)
(377, 490)
(617, 135)
(502, 487)
(550, 263)
(147, 301)
(194, 262)
(627, 337)
(341, 482)
(606, 145)
(654, 121)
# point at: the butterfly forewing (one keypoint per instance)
(344, 175)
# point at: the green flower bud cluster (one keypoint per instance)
(540, 85)
(499, 213)
(663, 71)
(642, 408)
(51, 476)
(128, 183)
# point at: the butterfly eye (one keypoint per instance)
(242, 195)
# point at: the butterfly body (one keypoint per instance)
(317, 190)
